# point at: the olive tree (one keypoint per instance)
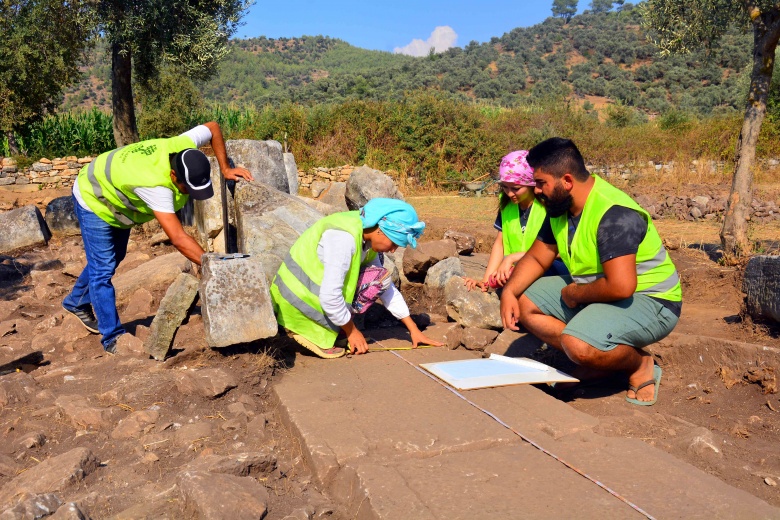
(683, 25)
(43, 42)
(565, 9)
(144, 34)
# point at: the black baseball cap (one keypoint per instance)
(193, 169)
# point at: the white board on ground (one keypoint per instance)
(469, 374)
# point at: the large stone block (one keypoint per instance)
(761, 286)
(335, 195)
(61, 217)
(269, 222)
(208, 213)
(22, 227)
(292, 172)
(173, 309)
(235, 301)
(367, 183)
(263, 158)
(472, 308)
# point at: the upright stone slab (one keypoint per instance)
(263, 158)
(22, 227)
(173, 309)
(367, 183)
(269, 222)
(292, 172)
(761, 286)
(235, 301)
(61, 217)
(335, 195)
(208, 213)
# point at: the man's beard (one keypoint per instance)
(559, 202)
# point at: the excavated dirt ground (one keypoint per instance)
(140, 471)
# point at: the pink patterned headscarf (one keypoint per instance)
(514, 169)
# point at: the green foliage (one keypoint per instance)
(565, 9)
(620, 115)
(79, 133)
(42, 44)
(168, 105)
(675, 120)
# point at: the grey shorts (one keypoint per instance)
(637, 321)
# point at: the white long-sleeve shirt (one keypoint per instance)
(335, 250)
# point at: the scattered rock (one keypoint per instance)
(173, 309)
(472, 308)
(158, 272)
(61, 217)
(335, 196)
(477, 339)
(769, 481)
(32, 507)
(22, 227)
(464, 242)
(210, 382)
(417, 261)
(212, 496)
(366, 183)
(439, 273)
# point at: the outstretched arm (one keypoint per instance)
(218, 145)
(179, 238)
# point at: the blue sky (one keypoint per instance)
(387, 26)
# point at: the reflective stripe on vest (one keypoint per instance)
(305, 309)
(97, 189)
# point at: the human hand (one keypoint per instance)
(232, 174)
(471, 283)
(418, 338)
(357, 342)
(510, 311)
(567, 295)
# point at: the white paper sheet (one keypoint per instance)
(468, 374)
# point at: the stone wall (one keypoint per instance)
(46, 172)
(337, 174)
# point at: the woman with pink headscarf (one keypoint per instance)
(519, 219)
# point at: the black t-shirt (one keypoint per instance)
(620, 232)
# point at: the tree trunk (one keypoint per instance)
(125, 129)
(13, 147)
(734, 233)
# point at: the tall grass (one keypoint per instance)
(430, 139)
(70, 133)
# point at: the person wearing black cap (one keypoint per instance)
(129, 186)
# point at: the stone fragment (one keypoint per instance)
(325, 209)
(700, 442)
(139, 305)
(208, 382)
(440, 272)
(292, 172)
(158, 272)
(134, 424)
(69, 511)
(16, 387)
(235, 301)
(32, 440)
(366, 183)
(263, 158)
(761, 286)
(237, 464)
(477, 339)
(22, 227)
(472, 308)
(211, 496)
(191, 433)
(269, 222)
(464, 243)
(128, 344)
(317, 187)
(418, 260)
(173, 309)
(82, 414)
(32, 507)
(51, 475)
(514, 344)
(61, 217)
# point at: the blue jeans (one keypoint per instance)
(105, 246)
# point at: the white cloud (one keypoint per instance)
(441, 39)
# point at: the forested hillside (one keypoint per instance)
(595, 58)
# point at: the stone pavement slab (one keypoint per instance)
(388, 442)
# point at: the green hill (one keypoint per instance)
(595, 59)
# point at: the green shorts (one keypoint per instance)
(637, 321)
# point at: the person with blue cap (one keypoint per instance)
(334, 271)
